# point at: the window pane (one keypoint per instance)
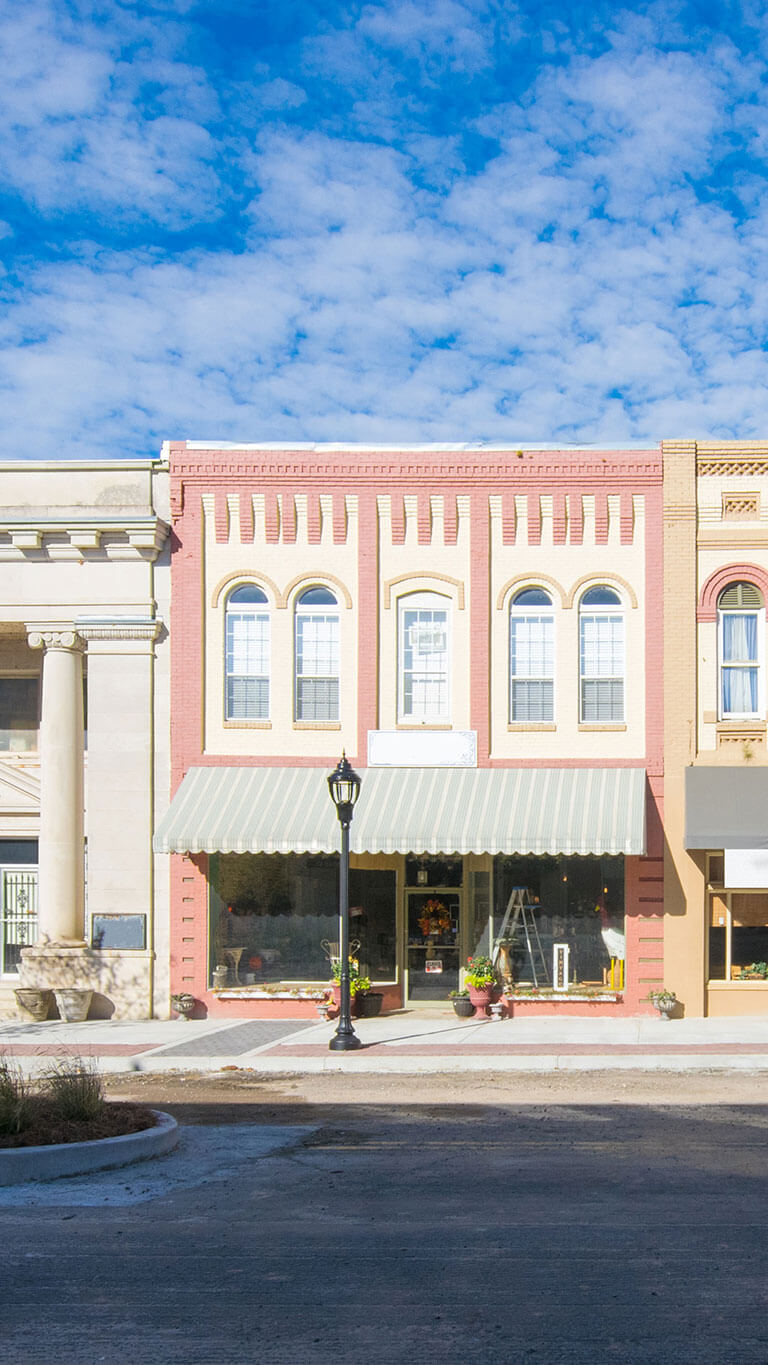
(18, 714)
(424, 650)
(247, 665)
(740, 639)
(602, 646)
(247, 698)
(532, 647)
(317, 698)
(317, 666)
(602, 701)
(739, 691)
(602, 667)
(532, 701)
(280, 911)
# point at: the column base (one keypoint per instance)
(56, 965)
(120, 980)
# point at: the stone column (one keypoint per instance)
(61, 858)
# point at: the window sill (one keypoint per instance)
(750, 984)
(317, 725)
(531, 725)
(609, 726)
(741, 723)
(247, 724)
(423, 725)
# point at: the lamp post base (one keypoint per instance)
(344, 1041)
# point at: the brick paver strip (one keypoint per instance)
(74, 1049)
(231, 1042)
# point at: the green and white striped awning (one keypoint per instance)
(409, 810)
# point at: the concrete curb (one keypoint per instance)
(20, 1164)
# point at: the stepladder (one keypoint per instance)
(519, 929)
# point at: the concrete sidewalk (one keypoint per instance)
(406, 1041)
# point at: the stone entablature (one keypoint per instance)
(93, 537)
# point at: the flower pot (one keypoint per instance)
(369, 1004)
(463, 1007)
(666, 1006)
(184, 1004)
(481, 996)
(73, 1004)
(33, 1003)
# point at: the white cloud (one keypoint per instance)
(589, 282)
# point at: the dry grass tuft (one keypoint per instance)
(68, 1104)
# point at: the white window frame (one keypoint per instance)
(254, 612)
(758, 663)
(531, 613)
(428, 714)
(327, 613)
(600, 613)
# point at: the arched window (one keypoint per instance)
(531, 657)
(601, 657)
(246, 654)
(317, 656)
(424, 654)
(741, 647)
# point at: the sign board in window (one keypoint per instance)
(119, 931)
(433, 964)
(746, 867)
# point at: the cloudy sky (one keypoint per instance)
(404, 220)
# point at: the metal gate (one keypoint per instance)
(19, 914)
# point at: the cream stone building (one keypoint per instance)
(84, 760)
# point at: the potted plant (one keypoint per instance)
(665, 1002)
(183, 1003)
(355, 981)
(367, 1002)
(480, 980)
(462, 1005)
(756, 971)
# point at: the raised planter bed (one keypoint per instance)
(20, 1164)
(540, 1003)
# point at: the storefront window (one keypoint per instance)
(279, 912)
(738, 934)
(577, 901)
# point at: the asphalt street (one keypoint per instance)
(557, 1233)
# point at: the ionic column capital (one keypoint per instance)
(55, 639)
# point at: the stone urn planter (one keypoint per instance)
(369, 1004)
(666, 1003)
(462, 1006)
(183, 1003)
(33, 1003)
(73, 1003)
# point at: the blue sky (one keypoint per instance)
(406, 221)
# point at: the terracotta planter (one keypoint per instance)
(33, 1003)
(73, 1004)
(481, 996)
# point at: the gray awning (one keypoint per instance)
(409, 810)
(726, 807)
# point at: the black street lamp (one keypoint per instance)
(344, 786)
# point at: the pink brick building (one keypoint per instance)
(480, 629)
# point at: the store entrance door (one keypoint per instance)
(432, 952)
